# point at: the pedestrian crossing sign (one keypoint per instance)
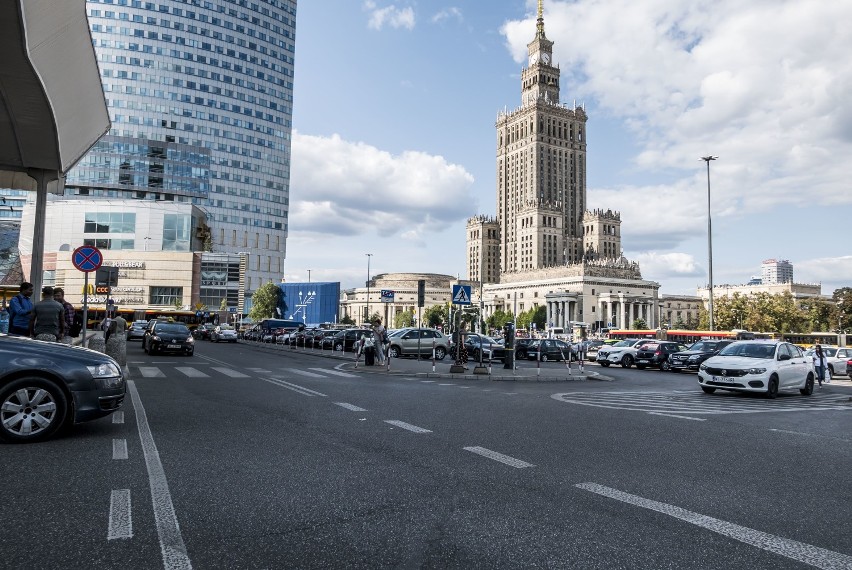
(461, 294)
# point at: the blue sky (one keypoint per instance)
(394, 141)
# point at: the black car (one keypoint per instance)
(478, 344)
(692, 358)
(168, 337)
(46, 385)
(548, 349)
(203, 332)
(345, 341)
(137, 330)
(521, 345)
(656, 354)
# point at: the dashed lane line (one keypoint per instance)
(677, 416)
(352, 407)
(795, 550)
(119, 448)
(505, 459)
(120, 524)
(408, 426)
(118, 417)
(294, 387)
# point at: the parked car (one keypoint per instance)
(623, 352)
(656, 354)
(768, 367)
(548, 349)
(691, 358)
(592, 352)
(346, 341)
(836, 358)
(46, 385)
(849, 368)
(204, 331)
(169, 337)
(521, 345)
(405, 342)
(136, 330)
(224, 332)
(475, 344)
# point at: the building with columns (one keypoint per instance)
(543, 247)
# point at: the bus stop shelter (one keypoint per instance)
(52, 106)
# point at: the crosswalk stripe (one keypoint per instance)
(352, 407)
(260, 370)
(151, 372)
(229, 372)
(408, 426)
(191, 372)
(305, 373)
(294, 387)
(335, 372)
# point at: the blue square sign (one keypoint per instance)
(461, 294)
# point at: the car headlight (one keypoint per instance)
(104, 370)
(155, 337)
(703, 367)
(190, 339)
(696, 357)
(756, 370)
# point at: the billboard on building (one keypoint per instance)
(310, 303)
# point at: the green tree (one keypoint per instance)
(264, 301)
(347, 320)
(499, 318)
(223, 304)
(435, 315)
(403, 319)
(640, 324)
(842, 299)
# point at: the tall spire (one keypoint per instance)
(540, 21)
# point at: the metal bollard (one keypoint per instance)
(433, 356)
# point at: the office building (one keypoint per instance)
(774, 271)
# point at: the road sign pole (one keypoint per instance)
(85, 308)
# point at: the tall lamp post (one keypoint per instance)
(369, 255)
(707, 159)
(309, 275)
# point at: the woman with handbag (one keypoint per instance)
(820, 363)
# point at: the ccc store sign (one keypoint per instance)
(92, 290)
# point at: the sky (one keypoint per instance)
(394, 141)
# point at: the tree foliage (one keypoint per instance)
(347, 320)
(436, 315)
(264, 301)
(403, 319)
(640, 324)
(499, 318)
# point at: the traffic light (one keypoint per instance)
(421, 292)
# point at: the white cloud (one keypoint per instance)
(447, 13)
(389, 15)
(836, 272)
(342, 188)
(763, 85)
(665, 265)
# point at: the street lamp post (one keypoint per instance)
(309, 275)
(369, 255)
(707, 159)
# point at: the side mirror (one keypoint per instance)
(784, 357)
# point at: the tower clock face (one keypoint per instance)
(533, 59)
(545, 57)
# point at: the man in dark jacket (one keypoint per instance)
(20, 311)
(59, 297)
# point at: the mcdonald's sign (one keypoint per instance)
(100, 290)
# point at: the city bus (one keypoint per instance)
(686, 336)
(807, 340)
(188, 318)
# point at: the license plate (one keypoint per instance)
(724, 379)
(173, 346)
(643, 361)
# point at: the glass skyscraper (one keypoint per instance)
(200, 94)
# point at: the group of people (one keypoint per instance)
(51, 319)
(375, 346)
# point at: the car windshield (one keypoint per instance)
(177, 329)
(650, 346)
(226, 328)
(624, 343)
(749, 350)
(704, 346)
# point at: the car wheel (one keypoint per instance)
(626, 361)
(394, 352)
(338, 347)
(543, 358)
(809, 386)
(31, 409)
(640, 367)
(604, 363)
(708, 390)
(665, 366)
(440, 353)
(772, 389)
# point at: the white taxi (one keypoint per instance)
(767, 367)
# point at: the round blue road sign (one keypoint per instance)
(87, 258)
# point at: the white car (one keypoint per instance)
(623, 352)
(836, 358)
(767, 367)
(224, 332)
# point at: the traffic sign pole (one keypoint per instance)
(85, 309)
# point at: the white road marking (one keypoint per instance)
(229, 372)
(409, 427)
(306, 373)
(118, 417)
(151, 372)
(511, 461)
(446, 384)
(465, 387)
(260, 370)
(335, 372)
(191, 372)
(120, 515)
(172, 546)
(799, 551)
(352, 407)
(119, 448)
(428, 381)
(294, 387)
(676, 416)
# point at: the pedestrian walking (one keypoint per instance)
(582, 349)
(461, 348)
(379, 335)
(820, 363)
(48, 318)
(20, 310)
(59, 297)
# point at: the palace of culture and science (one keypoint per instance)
(544, 246)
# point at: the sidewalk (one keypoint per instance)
(548, 372)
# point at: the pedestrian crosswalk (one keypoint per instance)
(207, 371)
(696, 403)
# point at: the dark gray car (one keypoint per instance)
(46, 385)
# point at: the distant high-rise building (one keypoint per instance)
(200, 95)
(776, 271)
(483, 249)
(602, 239)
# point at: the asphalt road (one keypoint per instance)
(246, 457)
